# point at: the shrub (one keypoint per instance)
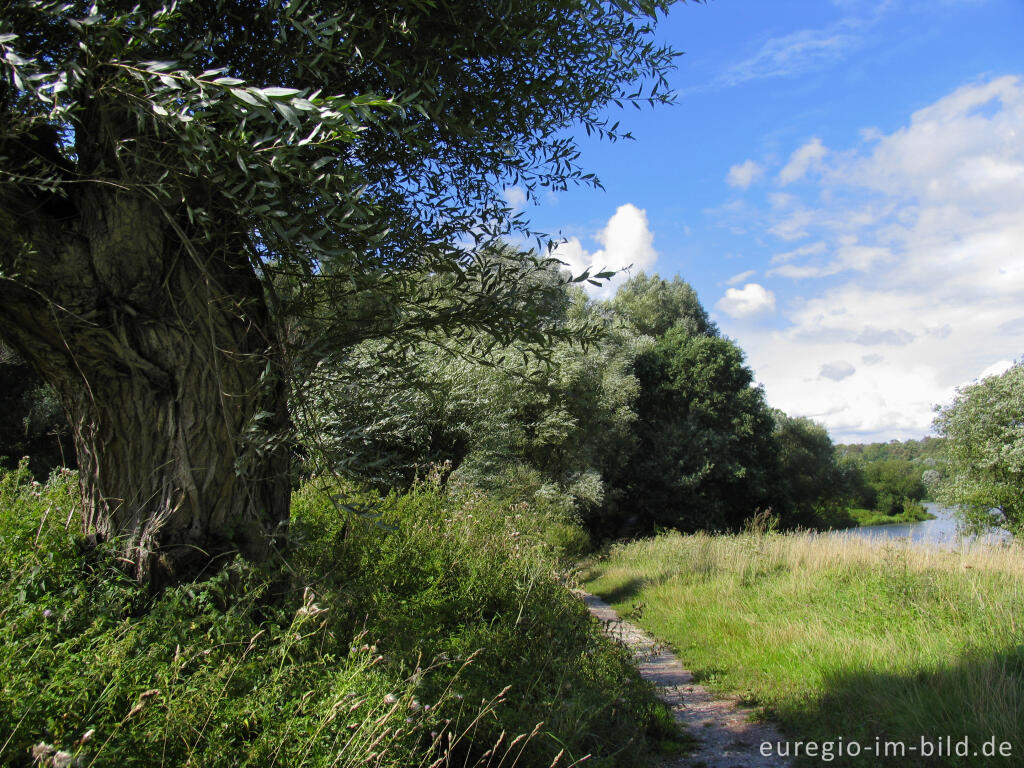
(407, 630)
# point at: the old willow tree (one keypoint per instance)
(200, 200)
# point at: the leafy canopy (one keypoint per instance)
(365, 142)
(984, 431)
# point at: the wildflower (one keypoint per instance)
(390, 699)
(47, 613)
(62, 759)
(42, 750)
(414, 705)
(87, 736)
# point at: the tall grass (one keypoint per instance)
(838, 636)
(428, 629)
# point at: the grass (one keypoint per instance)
(837, 636)
(912, 514)
(427, 629)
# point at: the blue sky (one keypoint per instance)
(843, 184)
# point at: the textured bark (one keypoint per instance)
(161, 354)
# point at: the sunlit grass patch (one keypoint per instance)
(839, 635)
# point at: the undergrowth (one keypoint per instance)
(425, 629)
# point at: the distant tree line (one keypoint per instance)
(894, 477)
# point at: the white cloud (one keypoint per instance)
(743, 175)
(781, 200)
(806, 50)
(807, 250)
(627, 243)
(793, 227)
(802, 272)
(737, 279)
(752, 299)
(794, 53)
(516, 197)
(920, 234)
(848, 256)
(808, 157)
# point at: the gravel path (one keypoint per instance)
(727, 737)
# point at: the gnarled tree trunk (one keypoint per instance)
(163, 358)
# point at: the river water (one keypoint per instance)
(942, 531)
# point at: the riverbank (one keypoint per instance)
(839, 637)
(867, 517)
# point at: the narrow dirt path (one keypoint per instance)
(726, 736)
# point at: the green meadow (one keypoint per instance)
(837, 637)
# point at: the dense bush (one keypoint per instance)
(415, 629)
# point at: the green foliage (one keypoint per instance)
(984, 436)
(892, 478)
(812, 486)
(215, 201)
(911, 512)
(895, 482)
(558, 423)
(359, 152)
(387, 639)
(706, 457)
(651, 306)
(927, 450)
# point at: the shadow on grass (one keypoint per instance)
(970, 713)
(623, 592)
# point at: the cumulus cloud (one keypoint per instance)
(917, 238)
(750, 300)
(836, 371)
(626, 241)
(808, 157)
(744, 174)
